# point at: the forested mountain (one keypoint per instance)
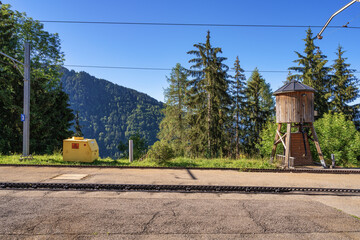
(111, 113)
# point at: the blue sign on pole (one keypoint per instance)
(22, 117)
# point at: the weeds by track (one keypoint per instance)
(295, 170)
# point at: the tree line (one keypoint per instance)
(210, 113)
(50, 115)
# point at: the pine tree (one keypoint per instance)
(260, 108)
(312, 72)
(173, 126)
(238, 104)
(208, 100)
(78, 132)
(344, 87)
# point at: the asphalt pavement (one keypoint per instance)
(37, 214)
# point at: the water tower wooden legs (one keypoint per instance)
(279, 138)
(288, 145)
(317, 145)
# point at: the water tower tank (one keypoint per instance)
(295, 108)
(294, 103)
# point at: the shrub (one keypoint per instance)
(267, 136)
(161, 152)
(338, 136)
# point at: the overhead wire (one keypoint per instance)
(191, 24)
(161, 69)
(182, 24)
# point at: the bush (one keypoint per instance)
(161, 152)
(267, 136)
(338, 136)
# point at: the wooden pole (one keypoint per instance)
(317, 145)
(288, 147)
(273, 152)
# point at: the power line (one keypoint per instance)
(192, 24)
(149, 68)
(160, 69)
(119, 67)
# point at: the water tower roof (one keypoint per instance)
(294, 86)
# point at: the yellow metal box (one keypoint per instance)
(78, 149)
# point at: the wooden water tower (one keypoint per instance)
(295, 108)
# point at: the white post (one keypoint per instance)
(26, 125)
(131, 151)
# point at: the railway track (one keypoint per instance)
(295, 170)
(171, 188)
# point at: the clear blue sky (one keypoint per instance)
(164, 46)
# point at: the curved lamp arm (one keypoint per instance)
(332, 16)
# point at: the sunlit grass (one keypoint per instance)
(56, 159)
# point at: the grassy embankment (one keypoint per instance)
(56, 159)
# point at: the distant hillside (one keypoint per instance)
(111, 113)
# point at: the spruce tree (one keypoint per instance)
(260, 108)
(173, 125)
(208, 100)
(344, 87)
(312, 72)
(238, 105)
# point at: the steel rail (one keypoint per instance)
(169, 188)
(294, 170)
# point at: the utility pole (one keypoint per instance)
(26, 125)
(25, 117)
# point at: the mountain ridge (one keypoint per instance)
(111, 113)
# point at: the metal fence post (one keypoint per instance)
(332, 161)
(131, 158)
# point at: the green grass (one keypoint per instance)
(56, 159)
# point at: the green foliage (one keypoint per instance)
(56, 159)
(139, 147)
(238, 106)
(344, 87)
(50, 114)
(267, 137)
(208, 101)
(312, 72)
(338, 136)
(174, 124)
(111, 113)
(161, 152)
(260, 108)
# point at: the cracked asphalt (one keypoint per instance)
(38, 214)
(126, 215)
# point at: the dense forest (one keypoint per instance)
(111, 113)
(210, 113)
